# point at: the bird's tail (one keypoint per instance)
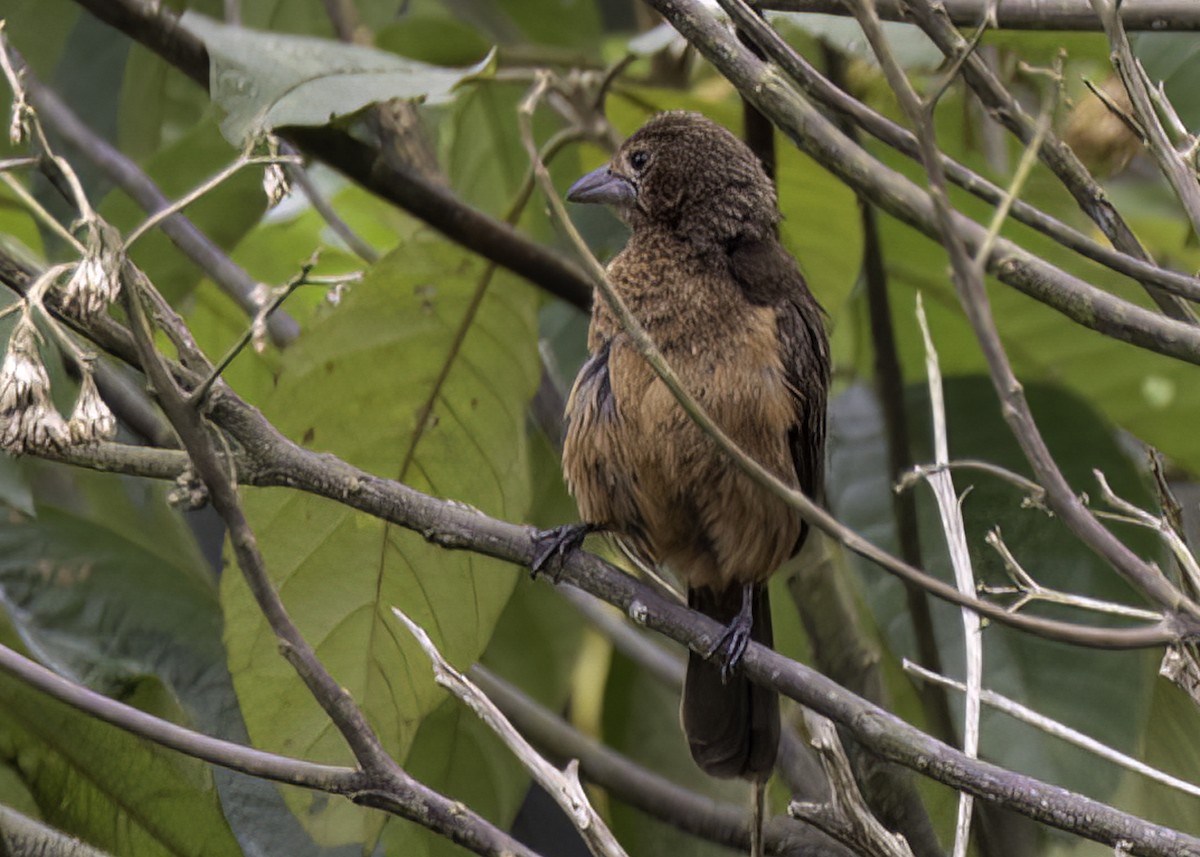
(732, 727)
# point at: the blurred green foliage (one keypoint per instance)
(411, 377)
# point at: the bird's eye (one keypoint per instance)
(638, 160)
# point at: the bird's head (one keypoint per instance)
(688, 174)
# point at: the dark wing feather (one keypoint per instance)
(769, 276)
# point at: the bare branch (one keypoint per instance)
(1060, 730)
(1180, 174)
(1029, 590)
(1088, 195)
(1155, 15)
(563, 786)
(847, 816)
(821, 90)
(643, 789)
(157, 27)
(227, 754)
(950, 510)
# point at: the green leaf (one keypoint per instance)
(562, 23)
(1056, 680)
(15, 492)
(158, 104)
(357, 385)
(14, 793)
(432, 36)
(153, 802)
(264, 80)
(19, 233)
(105, 582)
(1168, 744)
(39, 30)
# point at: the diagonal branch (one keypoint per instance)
(1174, 166)
(157, 27)
(1155, 15)
(130, 178)
(388, 786)
(968, 280)
(563, 786)
(269, 459)
(1055, 154)
(643, 789)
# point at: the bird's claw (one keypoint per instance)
(551, 548)
(730, 647)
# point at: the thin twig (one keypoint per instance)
(235, 757)
(1029, 590)
(37, 210)
(1180, 174)
(1152, 15)
(1059, 157)
(1161, 524)
(1025, 166)
(563, 786)
(639, 787)
(1060, 730)
(358, 246)
(974, 299)
(204, 187)
(1135, 265)
(847, 816)
(950, 510)
(1036, 494)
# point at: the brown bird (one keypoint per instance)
(705, 274)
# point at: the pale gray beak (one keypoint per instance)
(604, 186)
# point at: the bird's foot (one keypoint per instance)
(730, 647)
(552, 547)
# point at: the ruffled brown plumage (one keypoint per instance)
(705, 274)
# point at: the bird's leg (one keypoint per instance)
(731, 645)
(551, 547)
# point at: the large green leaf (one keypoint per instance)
(111, 789)
(1168, 744)
(264, 80)
(158, 104)
(358, 385)
(104, 581)
(1057, 680)
(39, 30)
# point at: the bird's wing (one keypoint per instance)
(769, 276)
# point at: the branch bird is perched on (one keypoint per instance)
(725, 303)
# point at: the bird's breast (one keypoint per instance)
(637, 462)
